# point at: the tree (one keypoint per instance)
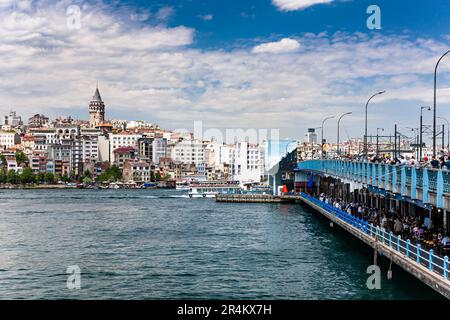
(87, 180)
(152, 176)
(27, 176)
(114, 172)
(49, 178)
(2, 176)
(21, 157)
(12, 177)
(158, 176)
(40, 177)
(87, 174)
(65, 178)
(2, 159)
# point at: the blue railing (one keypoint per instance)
(395, 178)
(414, 252)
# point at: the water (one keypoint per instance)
(155, 244)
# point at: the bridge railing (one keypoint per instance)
(412, 251)
(394, 178)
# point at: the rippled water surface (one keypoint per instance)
(153, 244)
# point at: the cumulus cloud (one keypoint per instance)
(282, 46)
(155, 73)
(292, 5)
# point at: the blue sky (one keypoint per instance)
(231, 64)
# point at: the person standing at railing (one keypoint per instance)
(398, 227)
(434, 163)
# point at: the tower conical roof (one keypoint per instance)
(97, 96)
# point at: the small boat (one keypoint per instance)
(209, 189)
(183, 185)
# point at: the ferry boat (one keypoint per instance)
(209, 189)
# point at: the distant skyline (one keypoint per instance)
(283, 64)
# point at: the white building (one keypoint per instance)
(247, 164)
(189, 152)
(12, 119)
(8, 139)
(123, 139)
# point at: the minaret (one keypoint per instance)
(96, 109)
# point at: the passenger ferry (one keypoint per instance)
(209, 189)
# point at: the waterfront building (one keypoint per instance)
(159, 150)
(136, 171)
(11, 164)
(12, 119)
(123, 154)
(189, 151)
(38, 121)
(123, 139)
(38, 162)
(50, 166)
(145, 148)
(246, 164)
(96, 110)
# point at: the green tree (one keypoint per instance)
(49, 178)
(2, 159)
(65, 178)
(12, 177)
(152, 176)
(21, 157)
(87, 174)
(158, 176)
(40, 177)
(114, 172)
(2, 176)
(27, 176)
(87, 180)
(103, 177)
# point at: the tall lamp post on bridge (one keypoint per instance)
(416, 133)
(378, 149)
(421, 130)
(321, 137)
(434, 105)
(365, 126)
(448, 132)
(339, 122)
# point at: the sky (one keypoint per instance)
(271, 64)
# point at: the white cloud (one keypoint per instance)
(153, 72)
(282, 46)
(206, 17)
(291, 5)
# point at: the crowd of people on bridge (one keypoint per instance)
(441, 162)
(417, 229)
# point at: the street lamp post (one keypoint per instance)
(378, 149)
(321, 138)
(448, 131)
(434, 105)
(421, 130)
(365, 126)
(339, 122)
